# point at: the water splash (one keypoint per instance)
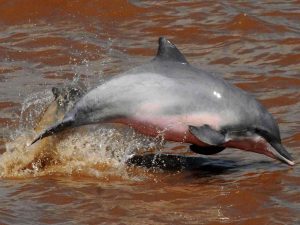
(32, 108)
(98, 151)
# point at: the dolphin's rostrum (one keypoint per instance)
(186, 104)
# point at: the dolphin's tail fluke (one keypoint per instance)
(54, 129)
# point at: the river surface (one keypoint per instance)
(88, 175)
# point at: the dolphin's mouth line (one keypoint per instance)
(283, 159)
(259, 144)
(278, 151)
(275, 147)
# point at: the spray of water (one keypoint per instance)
(32, 108)
(96, 151)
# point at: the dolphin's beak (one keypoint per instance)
(280, 153)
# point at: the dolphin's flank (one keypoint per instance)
(186, 104)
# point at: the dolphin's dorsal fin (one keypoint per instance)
(167, 51)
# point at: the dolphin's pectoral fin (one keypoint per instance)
(207, 150)
(207, 135)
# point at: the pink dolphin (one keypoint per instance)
(168, 96)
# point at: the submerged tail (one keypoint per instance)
(54, 129)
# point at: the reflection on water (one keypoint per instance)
(90, 175)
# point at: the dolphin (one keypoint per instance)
(168, 96)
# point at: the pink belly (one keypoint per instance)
(175, 128)
(172, 128)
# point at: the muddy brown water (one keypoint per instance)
(81, 176)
